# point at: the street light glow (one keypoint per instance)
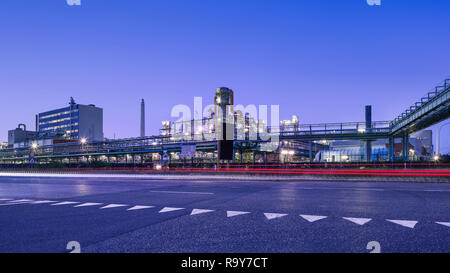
(83, 140)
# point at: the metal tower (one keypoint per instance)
(142, 118)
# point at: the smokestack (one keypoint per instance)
(142, 118)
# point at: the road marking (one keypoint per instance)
(200, 211)
(88, 204)
(405, 223)
(312, 218)
(113, 206)
(447, 224)
(64, 203)
(167, 209)
(231, 213)
(184, 192)
(15, 203)
(271, 216)
(359, 221)
(43, 202)
(140, 207)
(20, 200)
(5, 199)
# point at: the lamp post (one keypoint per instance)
(438, 142)
(83, 142)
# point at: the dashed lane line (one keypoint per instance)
(312, 218)
(20, 200)
(43, 202)
(447, 224)
(110, 206)
(271, 216)
(405, 223)
(88, 205)
(200, 211)
(140, 207)
(65, 203)
(358, 221)
(169, 209)
(232, 213)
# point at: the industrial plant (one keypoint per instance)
(73, 136)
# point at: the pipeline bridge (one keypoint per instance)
(433, 108)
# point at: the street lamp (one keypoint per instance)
(34, 145)
(83, 140)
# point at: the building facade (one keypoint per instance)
(20, 134)
(76, 121)
(419, 148)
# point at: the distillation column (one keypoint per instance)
(368, 153)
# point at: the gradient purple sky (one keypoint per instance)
(321, 60)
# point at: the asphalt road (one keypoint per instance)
(132, 215)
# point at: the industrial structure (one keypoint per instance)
(75, 122)
(297, 142)
(142, 118)
(20, 135)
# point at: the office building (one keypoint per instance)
(75, 121)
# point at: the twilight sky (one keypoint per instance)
(322, 60)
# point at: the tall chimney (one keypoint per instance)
(142, 118)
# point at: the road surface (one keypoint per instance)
(41, 214)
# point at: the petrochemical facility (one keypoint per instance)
(73, 135)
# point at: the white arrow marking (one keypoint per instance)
(232, 213)
(405, 223)
(140, 207)
(167, 209)
(88, 204)
(15, 203)
(113, 206)
(359, 221)
(21, 200)
(64, 203)
(312, 218)
(271, 216)
(447, 224)
(43, 202)
(200, 211)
